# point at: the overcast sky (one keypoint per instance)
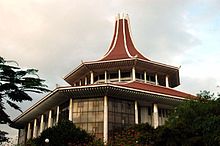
(54, 36)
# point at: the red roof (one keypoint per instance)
(122, 46)
(156, 89)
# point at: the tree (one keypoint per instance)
(65, 134)
(136, 135)
(14, 85)
(194, 122)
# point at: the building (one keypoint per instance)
(122, 88)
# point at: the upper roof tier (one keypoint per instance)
(122, 46)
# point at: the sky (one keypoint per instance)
(55, 36)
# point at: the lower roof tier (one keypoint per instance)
(130, 91)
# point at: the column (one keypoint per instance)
(71, 110)
(145, 77)
(29, 131)
(91, 77)
(136, 112)
(35, 129)
(105, 131)
(50, 119)
(167, 81)
(106, 77)
(42, 123)
(133, 74)
(119, 75)
(155, 115)
(156, 79)
(58, 111)
(86, 81)
(80, 82)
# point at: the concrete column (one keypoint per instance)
(86, 81)
(105, 131)
(155, 115)
(167, 81)
(156, 79)
(133, 74)
(106, 77)
(35, 129)
(80, 82)
(145, 77)
(119, 75)
(91, 77)
(136, 112)
(29, 131)
(50, 119)
(42, 123)
(71, 110)
(58, 111)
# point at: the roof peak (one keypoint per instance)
(122, 46)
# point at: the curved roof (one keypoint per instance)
(122, 46)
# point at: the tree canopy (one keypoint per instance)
(15, 83)
(64, 134)
(193, 123)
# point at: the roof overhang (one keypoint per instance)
(62, 94)
(98, 66)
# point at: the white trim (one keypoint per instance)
(91, 77)
(145, 77)
(133, 74)
(106, 77)
(132, 40)
(125, 42)
(114, 38)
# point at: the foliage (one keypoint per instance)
(141, 134)
(192, 123)
(66, 133)
(14, 83)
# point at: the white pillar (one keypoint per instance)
(29, 131)
(91, 77)
(105, 131)
(42, 123)
(86, 81)
(106, 76)
(145, 77)
(80, 82)
(35, 129)
(50, 119)
(167, 81)
(133, 74)
(119, 75)
(156, 79)
(71, 110)
(136, 112)
(155, 116)
(58, 111)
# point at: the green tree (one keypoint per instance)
(65, 134)
(136, 135)
(14, 85)
(193, 123)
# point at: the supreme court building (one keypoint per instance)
(121, 89)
